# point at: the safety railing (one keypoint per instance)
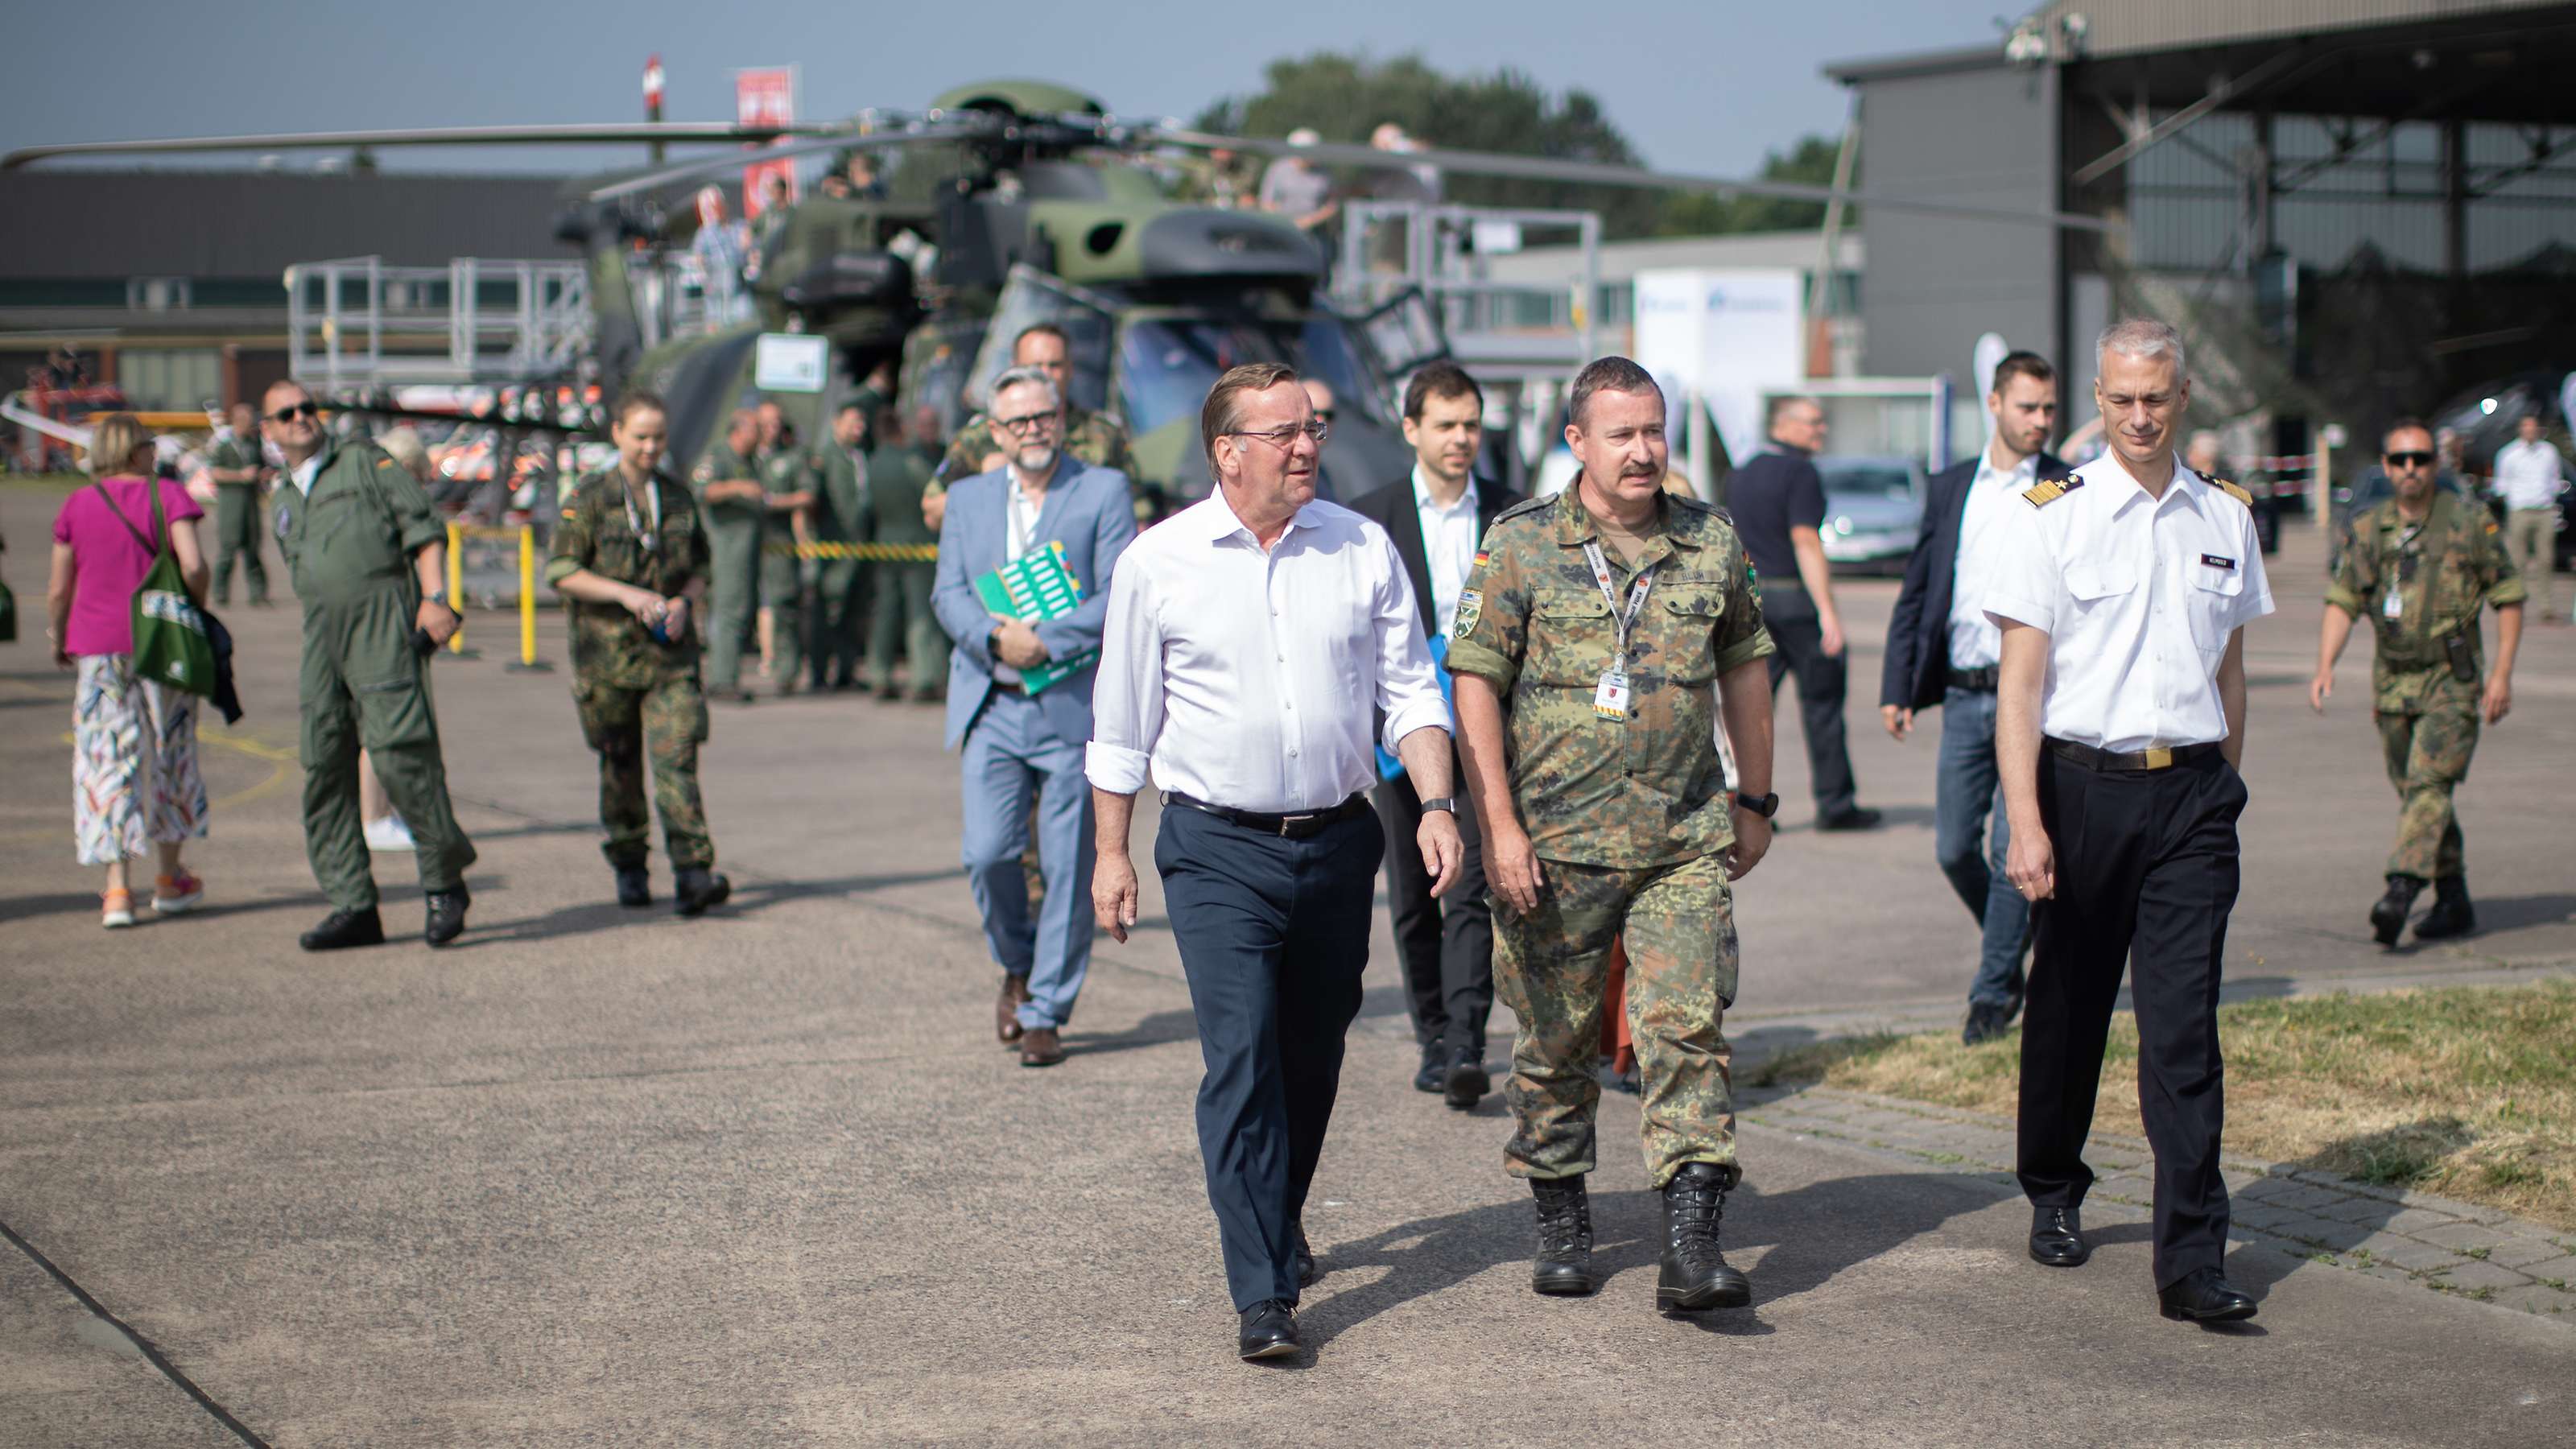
(356, 322)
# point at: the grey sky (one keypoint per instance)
(1698, 85)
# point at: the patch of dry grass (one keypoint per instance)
(2469, 1092)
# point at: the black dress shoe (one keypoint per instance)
(1859, 817)
(1434, 1075)
(634, 887)
(1267, 1329)
(697, 890)
(1985, 1023)
(2057, 1237)
(1694, 1276)
(343, 929)
(1306, 1274)
(1563, 1266)
(446, 919)
(1465, 1081)
(2203, 1296)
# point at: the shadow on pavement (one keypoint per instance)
(1163, 1028)
(605, 914)
(2510, 913)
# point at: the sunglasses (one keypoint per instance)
(2410, 460)
(304, 409)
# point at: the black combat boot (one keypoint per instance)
(1564, 1263)
(343, 929)
(696, 889)
(2451, 915)
(634, 887)
(446, 919)
(1694, 1277)
(2388, 917)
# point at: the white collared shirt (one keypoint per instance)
(2138, 597)
(1448, 546)
(2526, 474)
(1246, 678)
(305, 472)
(1975, 642)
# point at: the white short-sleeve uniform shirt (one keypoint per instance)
(2138, 597)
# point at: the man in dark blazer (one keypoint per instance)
(1943, 650)
(1437, 516)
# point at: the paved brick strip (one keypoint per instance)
(2407, 1237)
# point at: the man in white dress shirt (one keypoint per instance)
(1251, 640)
(2120, 590)
(2527, 471)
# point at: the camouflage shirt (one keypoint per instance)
(1096, 438)
(2442, 574)
(598, 534)
(1643, 791)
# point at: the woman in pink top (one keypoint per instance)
(134, 743)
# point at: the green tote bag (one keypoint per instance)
(170, 644)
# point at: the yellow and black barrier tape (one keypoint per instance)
(873, 552)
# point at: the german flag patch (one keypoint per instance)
(1482, 557)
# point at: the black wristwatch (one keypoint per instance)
(1765, 806)
(1448, 803)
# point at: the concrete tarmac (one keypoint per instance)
(599, 1176)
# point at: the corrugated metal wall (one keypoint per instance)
(2119, 27)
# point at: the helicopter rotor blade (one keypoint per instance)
(839, 138)
(1590, 173)
(615, 133)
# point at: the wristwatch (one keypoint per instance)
(438, 597)
(1448, 803)
(1765, 806)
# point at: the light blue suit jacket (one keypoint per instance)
(1088, 511)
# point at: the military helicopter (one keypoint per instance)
(1054, 213)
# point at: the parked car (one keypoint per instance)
(1873, 511)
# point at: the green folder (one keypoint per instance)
(1036, 588)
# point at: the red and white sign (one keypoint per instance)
(653, 87)
(765, 97)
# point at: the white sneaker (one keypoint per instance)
(116, 909)
(389, 834)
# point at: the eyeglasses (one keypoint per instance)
(1027, 423)
(2410, 460)
(1286, 437)
(304, 409)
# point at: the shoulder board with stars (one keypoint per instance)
(2050, 490)
(2232, 491)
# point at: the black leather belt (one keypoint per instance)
(2147, 759)
(1294, 827)
(1980, 681)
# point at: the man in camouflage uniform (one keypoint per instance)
(1599, 637)
(727, 483)
(840, 515)
(2421, 565)
(1096, 438)
(239, 468)
(787, 478)
(630, 558)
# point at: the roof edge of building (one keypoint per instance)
(1924, 62)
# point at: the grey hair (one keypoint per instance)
(1026, 377)
(2140, 337)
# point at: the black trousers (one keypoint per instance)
(1274, 935)
(1798, 647)
(1446, 945)
(2146, 874)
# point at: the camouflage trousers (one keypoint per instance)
(2428, 754)
(1551, 968)
(665, 723)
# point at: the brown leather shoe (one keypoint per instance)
(1006, 1009)
(1040, 1048)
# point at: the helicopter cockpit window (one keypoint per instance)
(1167, 365)
(1031, 297)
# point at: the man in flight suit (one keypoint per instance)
(727, 483)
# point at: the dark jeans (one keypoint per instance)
(1273, 934)
(2146, 874)
(1798, 647)
(1447, 944)
(1967, 795)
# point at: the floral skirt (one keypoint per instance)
(134, 762)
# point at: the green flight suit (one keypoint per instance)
(237, 522)
(1630, 814)
(782, 575)
(841, 515)
(734, 530)
(638, 697)
(350, 542)
(901, 603)
(2442, 574)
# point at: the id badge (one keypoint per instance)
(1610, 701)
(2394, 607)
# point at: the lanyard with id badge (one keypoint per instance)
(1610, 698)
(2393, 608)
